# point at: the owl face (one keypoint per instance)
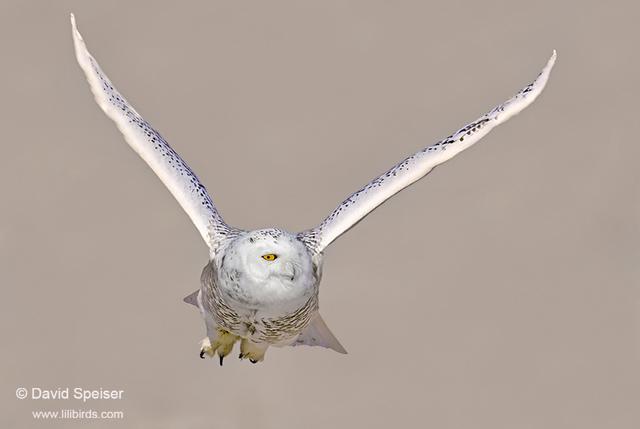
(266, 267)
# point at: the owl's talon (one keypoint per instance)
(222, 344)
(252, 351)
(207, 349)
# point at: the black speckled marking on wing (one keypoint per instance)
(416, 166)
(153, 149)
(160, 145)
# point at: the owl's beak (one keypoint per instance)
(288, 271)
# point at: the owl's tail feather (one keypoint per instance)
(317, 333)
(192, 298)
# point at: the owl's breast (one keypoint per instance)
(272, 311)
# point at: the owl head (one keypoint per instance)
(266, 266)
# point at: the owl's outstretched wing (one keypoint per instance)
(415, 167)
(153, 149)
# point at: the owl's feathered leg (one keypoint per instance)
(222, 344)
(217, 339)
(252, 351)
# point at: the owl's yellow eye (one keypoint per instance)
(269, 257)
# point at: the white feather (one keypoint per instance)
(152, 148)
(415, 167)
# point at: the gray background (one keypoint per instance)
(500, 292)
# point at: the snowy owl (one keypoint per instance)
(261, 287)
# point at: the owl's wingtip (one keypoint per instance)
(544, 74)
(74, 27)
(552, 59)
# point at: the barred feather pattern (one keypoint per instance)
(251, 325)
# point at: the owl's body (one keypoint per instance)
(261, 302)
(261, 287)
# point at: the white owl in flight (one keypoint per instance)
(261, 287)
